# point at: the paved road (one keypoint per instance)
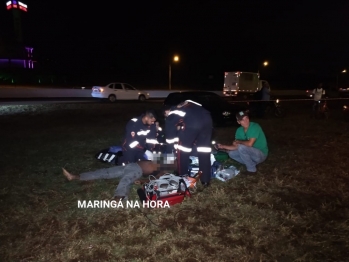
(38, 101)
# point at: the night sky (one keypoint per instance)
(135, 41)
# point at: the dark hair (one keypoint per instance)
(150, 113)
(165, 108)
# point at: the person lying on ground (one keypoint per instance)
(129, 173)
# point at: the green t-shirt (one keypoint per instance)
(254, 131)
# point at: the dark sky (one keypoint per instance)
(210, 36)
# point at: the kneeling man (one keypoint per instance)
(250, 146)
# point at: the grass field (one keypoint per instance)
(295, 209)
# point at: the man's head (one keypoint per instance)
(243, 119)
(166, 110)
(149, 117)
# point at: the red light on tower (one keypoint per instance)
(23, 6)
(16, 5)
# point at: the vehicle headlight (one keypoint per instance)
(345, 107)
(277, 101)
(226, 113)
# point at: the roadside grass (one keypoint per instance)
(295, 209)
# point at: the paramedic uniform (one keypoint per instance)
(138, 138)
(189, 126)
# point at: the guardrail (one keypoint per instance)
(285, 99)
(34, 92)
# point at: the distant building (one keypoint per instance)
(13, 52)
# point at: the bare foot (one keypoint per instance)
(69, 176)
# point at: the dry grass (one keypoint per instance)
(294, 209)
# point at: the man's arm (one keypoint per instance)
(235, 144)
(131, 135)
(151, 139)
(171, 132)
(227, 147)
(249, 142)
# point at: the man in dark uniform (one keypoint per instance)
(189, 125)
(160, 136)
(140, 135)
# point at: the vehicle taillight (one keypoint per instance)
(100, 90)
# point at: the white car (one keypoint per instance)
(119, 91)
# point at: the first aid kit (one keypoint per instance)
(168, 188)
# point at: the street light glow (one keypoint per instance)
(265, 63)
(175, 59)
(344, 71)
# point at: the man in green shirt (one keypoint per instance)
(250, 146)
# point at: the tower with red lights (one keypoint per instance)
(17, 7)
(23, 58)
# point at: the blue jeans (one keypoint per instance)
(248, 156)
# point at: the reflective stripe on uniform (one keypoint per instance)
(159, 129)
(183, 148)
(204, 149)
(171, 141)
(105, 157)
(177, 112)
(151, 141)
(134, 119)
(143, 132)
(111, 158)
(133, 144)
(193, 102)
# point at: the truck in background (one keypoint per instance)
(244, 84)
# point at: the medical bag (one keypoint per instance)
(169, 187)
